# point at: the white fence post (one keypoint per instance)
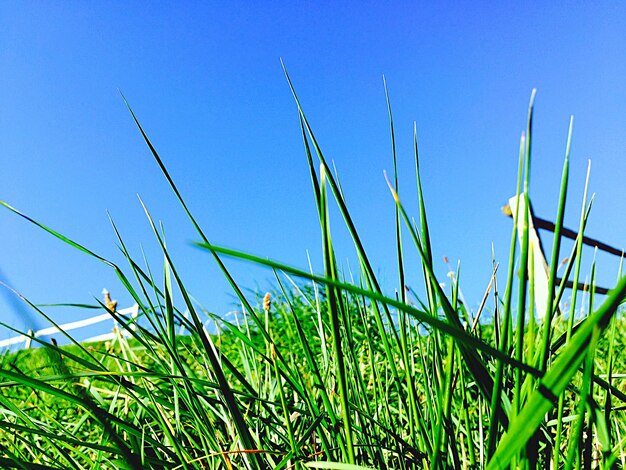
(29, 340)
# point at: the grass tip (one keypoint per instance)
(393, 191)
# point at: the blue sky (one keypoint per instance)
(205, 80)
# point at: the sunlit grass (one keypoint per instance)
(331, 372)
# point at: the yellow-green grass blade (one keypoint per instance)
(239, 293)
(576, 444)
(555, 381)
(522, 178)
(570, 321)
(471, 358)
(503, 345)
(108, 421)
(422, 236)
(395, 181)
(423, 317)
(337, 317)
(556, 246)
(209, 348)
(369, 271)
(523, 269)
(318, 384)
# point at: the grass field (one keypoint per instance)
(330, 372)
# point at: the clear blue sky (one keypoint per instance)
(205, 80)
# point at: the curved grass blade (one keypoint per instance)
(452, 329)
(211, 352)
(369, 271)
(555, 381)
(472, 360)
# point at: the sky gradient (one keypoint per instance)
(205, 80)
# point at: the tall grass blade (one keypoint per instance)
(555, 380)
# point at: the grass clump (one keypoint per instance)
(327, 372)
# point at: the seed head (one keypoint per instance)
(111, 305)
(506, 210)
(267, 302)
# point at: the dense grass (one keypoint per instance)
(331, 372)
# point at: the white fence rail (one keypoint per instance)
(27, 339)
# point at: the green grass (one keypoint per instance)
(333, 373)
